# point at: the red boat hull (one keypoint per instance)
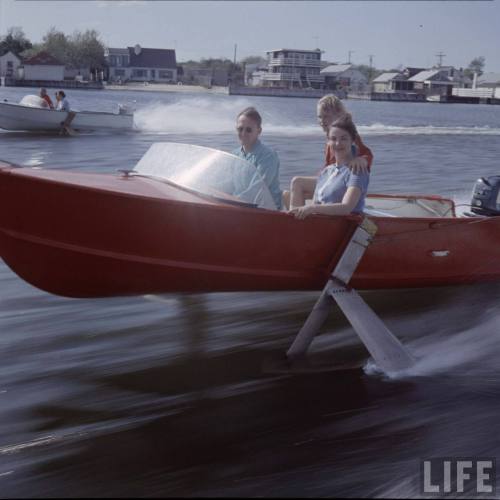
(97, 235)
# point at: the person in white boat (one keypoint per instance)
(338, 190)
(63, 105)
(265, 159)
(62, 101)
(46, 98)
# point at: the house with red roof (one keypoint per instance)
(43, 66)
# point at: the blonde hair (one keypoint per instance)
(331, 102)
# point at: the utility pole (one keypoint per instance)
(440, 56)
(371, 68)
(235, 47)
(317, 41)
(349, 56)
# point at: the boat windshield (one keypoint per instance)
(207, 171)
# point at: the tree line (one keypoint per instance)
(86, 49)
(81, 49)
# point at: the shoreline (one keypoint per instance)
(165, 87)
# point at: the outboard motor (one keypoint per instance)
(125, 109)
(485, 196)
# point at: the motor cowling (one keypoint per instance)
(485, 196)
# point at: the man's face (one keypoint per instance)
(248, 131)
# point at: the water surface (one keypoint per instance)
(168, 396)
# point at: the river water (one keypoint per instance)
(169, 395)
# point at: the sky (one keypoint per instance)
(395, 33)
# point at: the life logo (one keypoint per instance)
(462, 477)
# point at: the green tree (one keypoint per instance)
(86, 49)
(475, 66)
(56, 43)
(81, 49)
(254, 60)
(14, 41)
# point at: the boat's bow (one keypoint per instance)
(88, 235)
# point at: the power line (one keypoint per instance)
(440, 56)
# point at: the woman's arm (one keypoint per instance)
(346, 206)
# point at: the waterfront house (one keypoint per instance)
(489, 80)
(141, 65)
(42, 67)
(485, 88)
(293, 68)
(344, 77)
(9, 64)
(436, 81)
(118, 61)
(390, 83)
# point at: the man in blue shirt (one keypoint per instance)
(266, 161)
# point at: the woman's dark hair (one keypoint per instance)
(251, 113)
(61, 93)
(345, 123)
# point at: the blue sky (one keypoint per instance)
(407, 33)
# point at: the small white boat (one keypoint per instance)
(32, 114)
(435, 98)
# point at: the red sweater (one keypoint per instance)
(362, 151)
(48, 100)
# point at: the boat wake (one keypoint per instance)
(466, 344)
(382, 129)
(195, 115)
(204, 116)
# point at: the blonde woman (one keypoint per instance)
(329, 109)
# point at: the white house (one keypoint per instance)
(141, 64)
(44, 67)
(431, 81)
(9, 64)
(344, 76)
(490, 80)
(293, 68)
(390, 82)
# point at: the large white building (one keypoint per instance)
(42, 67)
(292, 68)
(141, 64)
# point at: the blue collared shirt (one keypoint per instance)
(333, 182)
(267, 163)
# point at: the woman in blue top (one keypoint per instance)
(265, 160)
(338, 190)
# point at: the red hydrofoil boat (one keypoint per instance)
(194, 219)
